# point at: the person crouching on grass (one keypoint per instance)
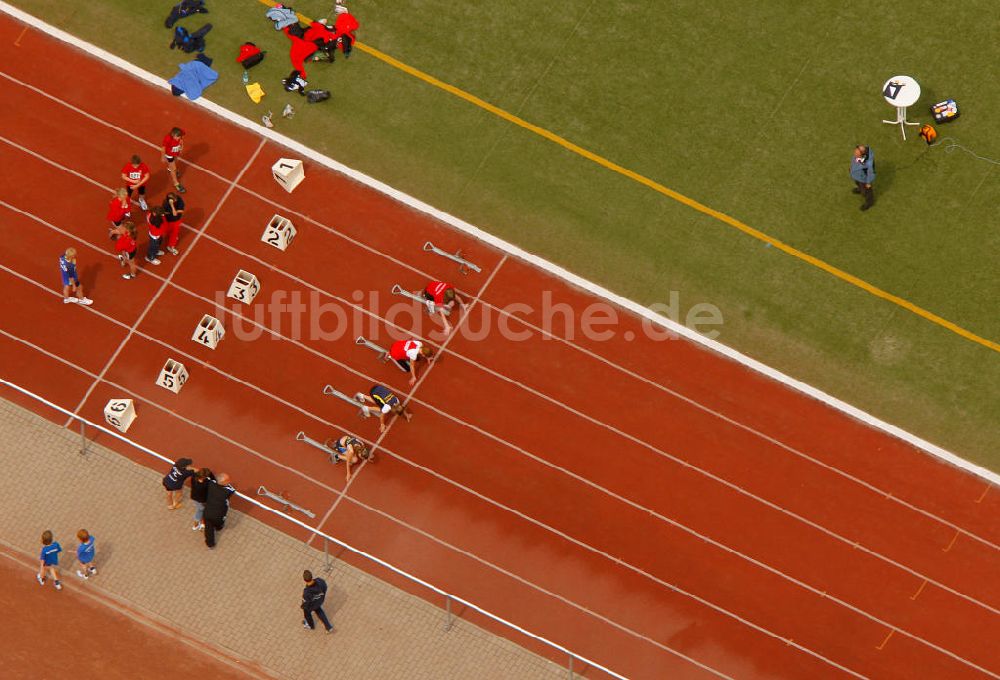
(386, 402)
(441, 298)
(406, 353)
(126, 248)
(72, 290)
(348, 450)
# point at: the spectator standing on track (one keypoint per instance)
(863, 174)
(217, 507)
(85, 555)
(441, 297)
(348, 450)
(407, 353)
(136, 175)
(72, 290)
(48, 560)
(173, 144)
(173, 212)
(199, 494)
(157, 226)
(119, 209)
(386, 402)
(313, 596)
(126, 247)
(173, 482)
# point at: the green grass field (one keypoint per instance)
(753, 112)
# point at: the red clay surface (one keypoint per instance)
(649, 505)
(79, 632)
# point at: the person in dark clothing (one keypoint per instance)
(863, 174)
(173, 482)
(199, 493)
(216, 506)
(313, 596)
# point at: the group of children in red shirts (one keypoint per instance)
(163, 222)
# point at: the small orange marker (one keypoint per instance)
(953, 539)
(985, 491)
(919, 590)
(17, 43)
(881, 646)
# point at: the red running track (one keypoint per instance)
(649, 505)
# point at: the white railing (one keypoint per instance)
(572, 657)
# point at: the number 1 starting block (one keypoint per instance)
(383, 353)
(288, 173)
(357, 401)
(463, 265)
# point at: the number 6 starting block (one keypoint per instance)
(288, 173)
(120, 414)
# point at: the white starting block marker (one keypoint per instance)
(120, 414)
(288, 173)
(429, 304)
(244, 287)
(209, 332)
(463, 265)
(173, 376)
(279, 232)
(383, 353)
(357, 401)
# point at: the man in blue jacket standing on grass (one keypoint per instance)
(863, 174)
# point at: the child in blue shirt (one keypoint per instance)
(48, 559)
(85, 555)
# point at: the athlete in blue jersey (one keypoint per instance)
(387, 402)
(48, 560)
(70, 279)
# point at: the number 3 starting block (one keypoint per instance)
(244, 287)
(288, 173)
(120, 414)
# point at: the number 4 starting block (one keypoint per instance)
(209, 331)
(120, 414)
(288, 173)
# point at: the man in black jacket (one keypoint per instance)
(312, 601)
(216, 506)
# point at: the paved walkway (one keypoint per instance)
(243, 596)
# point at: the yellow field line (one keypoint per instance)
(670, 193)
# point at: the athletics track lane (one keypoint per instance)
(264, 169)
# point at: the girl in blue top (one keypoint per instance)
(85, 555)
(48, 560)
(72, 291)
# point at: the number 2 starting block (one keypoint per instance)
(429, 304)
(279, 232)
(463, 265)
(288, 173)
(120, 414)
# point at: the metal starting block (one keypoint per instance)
(303, 437)
(285, 503)
(463, 265)
(429, 304)
(357, 401)
(383, 353)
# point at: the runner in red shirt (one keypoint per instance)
(136, 175)
(126, 248)
(173, 144)
(441, 297)
(119, 210)
(157, 228)
(407, 353)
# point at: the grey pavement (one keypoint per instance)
(243, 596)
